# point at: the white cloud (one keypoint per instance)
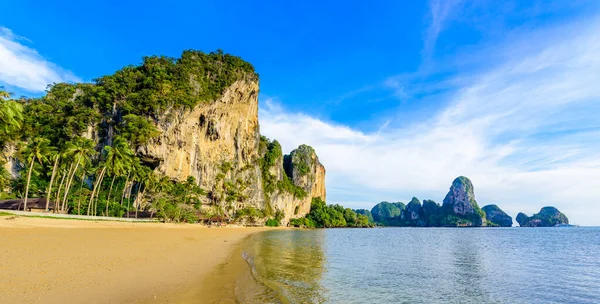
(24, 68)
(526, 131)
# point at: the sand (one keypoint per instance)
(72, 261)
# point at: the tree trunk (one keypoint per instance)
(57, 201)
(80, 188)
(94, 190)
(27, 187)
(49, 194)
(66, 182)
(98, 192)
(68, 187)
(109, 192)
(129, 196)
(125, 188)
(138, 200)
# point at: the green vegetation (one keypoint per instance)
(333, 216)
(547, 217)
(386, 213)
(299, 160)
(302, 222)
(105, 176)
(272, 153)
(366, 213)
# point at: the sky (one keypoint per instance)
(397, 97)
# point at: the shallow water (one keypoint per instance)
(425, 265)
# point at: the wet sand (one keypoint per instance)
(72, 261)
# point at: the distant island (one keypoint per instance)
(547, 217)
(459, 209)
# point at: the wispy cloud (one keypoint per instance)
(440, 11)
(525, 130)
(23, 67)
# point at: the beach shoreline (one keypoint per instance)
(69, 261)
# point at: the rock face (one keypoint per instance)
(11, 165)
(299, 177)
(547, 217)
(412, 215)
(522, 219)
(496, 216)
(198, 142)
(460, 205)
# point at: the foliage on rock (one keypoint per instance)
(547, 217)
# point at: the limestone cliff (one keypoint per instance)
(195, 118)
(291, 181)
(412, 215)
(460, 203)
(496, 216)
(218, 143)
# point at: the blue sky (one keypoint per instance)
(398, 97)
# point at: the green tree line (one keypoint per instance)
(330, 216)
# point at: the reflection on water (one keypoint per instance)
(289, 264)
(428, 265)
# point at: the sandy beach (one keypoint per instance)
(73, 261)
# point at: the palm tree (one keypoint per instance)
(80, 150)
(56, 157)
(11, 114)
(163, 184)
(118, 157)
(38, 149)
(145, 177)
(160, 187)
(134, 166)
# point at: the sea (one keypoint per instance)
(422, 265)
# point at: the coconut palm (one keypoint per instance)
(56, 157)
(11, 114)
(134, 167)
(79, 150)
(117, 158)
(163, 184)
(38, 149)
(143, 175)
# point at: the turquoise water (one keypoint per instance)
(426, 265)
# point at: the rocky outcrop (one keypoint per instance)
(218, 143)
(303, 167)
(8, 160)
(412, 215)
(460, 205)
(547, 217)
(432, 213)
(385, 213)
(496, 216)
(299, 179)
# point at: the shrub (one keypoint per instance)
(272, 223)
